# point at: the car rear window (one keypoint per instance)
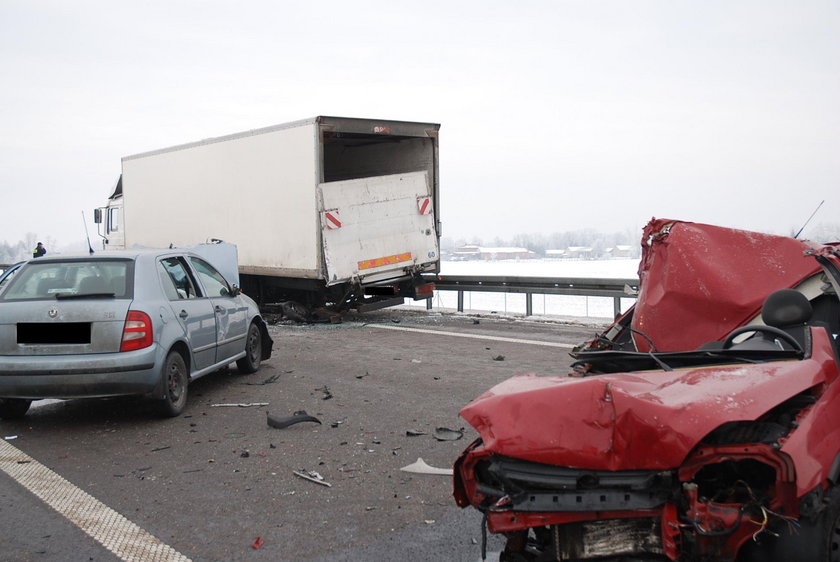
(54, 279)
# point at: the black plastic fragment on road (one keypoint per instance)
(327, 394)
(278, 422)
(270, 380)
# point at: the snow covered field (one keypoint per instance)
(574, 307)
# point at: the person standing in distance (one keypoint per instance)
(39, 250)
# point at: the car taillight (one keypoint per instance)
(137, 332)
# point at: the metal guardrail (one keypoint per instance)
(530, 286)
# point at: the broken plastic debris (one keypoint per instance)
(413, 433)
(312, 477)
(10, 437)
(258, 542)
(299, 416)
(269, 380)
(420, 467)
(499, 358)
(446, 434)
(239, 405)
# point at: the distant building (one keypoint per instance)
(579, 252)
(620, 251)
(473, 252)
(555, 254)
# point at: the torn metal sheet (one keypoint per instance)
(278, 422)
(420, 467)
(699, 282)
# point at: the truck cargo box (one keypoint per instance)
(325, 210)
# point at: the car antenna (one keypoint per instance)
(809, 219)
(90, 248)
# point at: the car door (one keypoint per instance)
(231, 311)
(193, 310)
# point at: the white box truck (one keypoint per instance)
(329, 211)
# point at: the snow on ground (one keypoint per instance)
(565, 307)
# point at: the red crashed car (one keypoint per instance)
(703, 425)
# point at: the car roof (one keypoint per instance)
(114, 254)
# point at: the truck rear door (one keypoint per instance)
(377, 228)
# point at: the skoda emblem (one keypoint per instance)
(53, 312)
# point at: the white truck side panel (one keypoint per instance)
(386, 226)
(253, 190)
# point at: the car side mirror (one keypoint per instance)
(235, 291)
(97, 216)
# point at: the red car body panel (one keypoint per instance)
(629, 421)
(699, 282)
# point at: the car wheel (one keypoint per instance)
(253, 351)
(13, 408)
(175, 379)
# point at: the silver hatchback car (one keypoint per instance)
(135, 322)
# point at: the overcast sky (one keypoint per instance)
(555, 115)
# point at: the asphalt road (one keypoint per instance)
(210, 483)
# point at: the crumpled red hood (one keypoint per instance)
(648, 420)
(699, 282)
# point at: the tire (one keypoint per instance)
(253, 351)
(13, 408)
(175, 380)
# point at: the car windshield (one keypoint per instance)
(71, 278)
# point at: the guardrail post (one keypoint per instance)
(529, 304)
(460, 301)
(429, 303)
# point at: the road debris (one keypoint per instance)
(421, 467)
(281, 423)
(258, 542)
(327, 394)
(312, 476)
(446, 434)
(363, 376)
(270, 380)
(499, 358)
(414, 433)
(239, 405)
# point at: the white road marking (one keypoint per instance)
(113, 531)
(473, 336)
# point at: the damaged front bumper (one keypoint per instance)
(719, 499)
